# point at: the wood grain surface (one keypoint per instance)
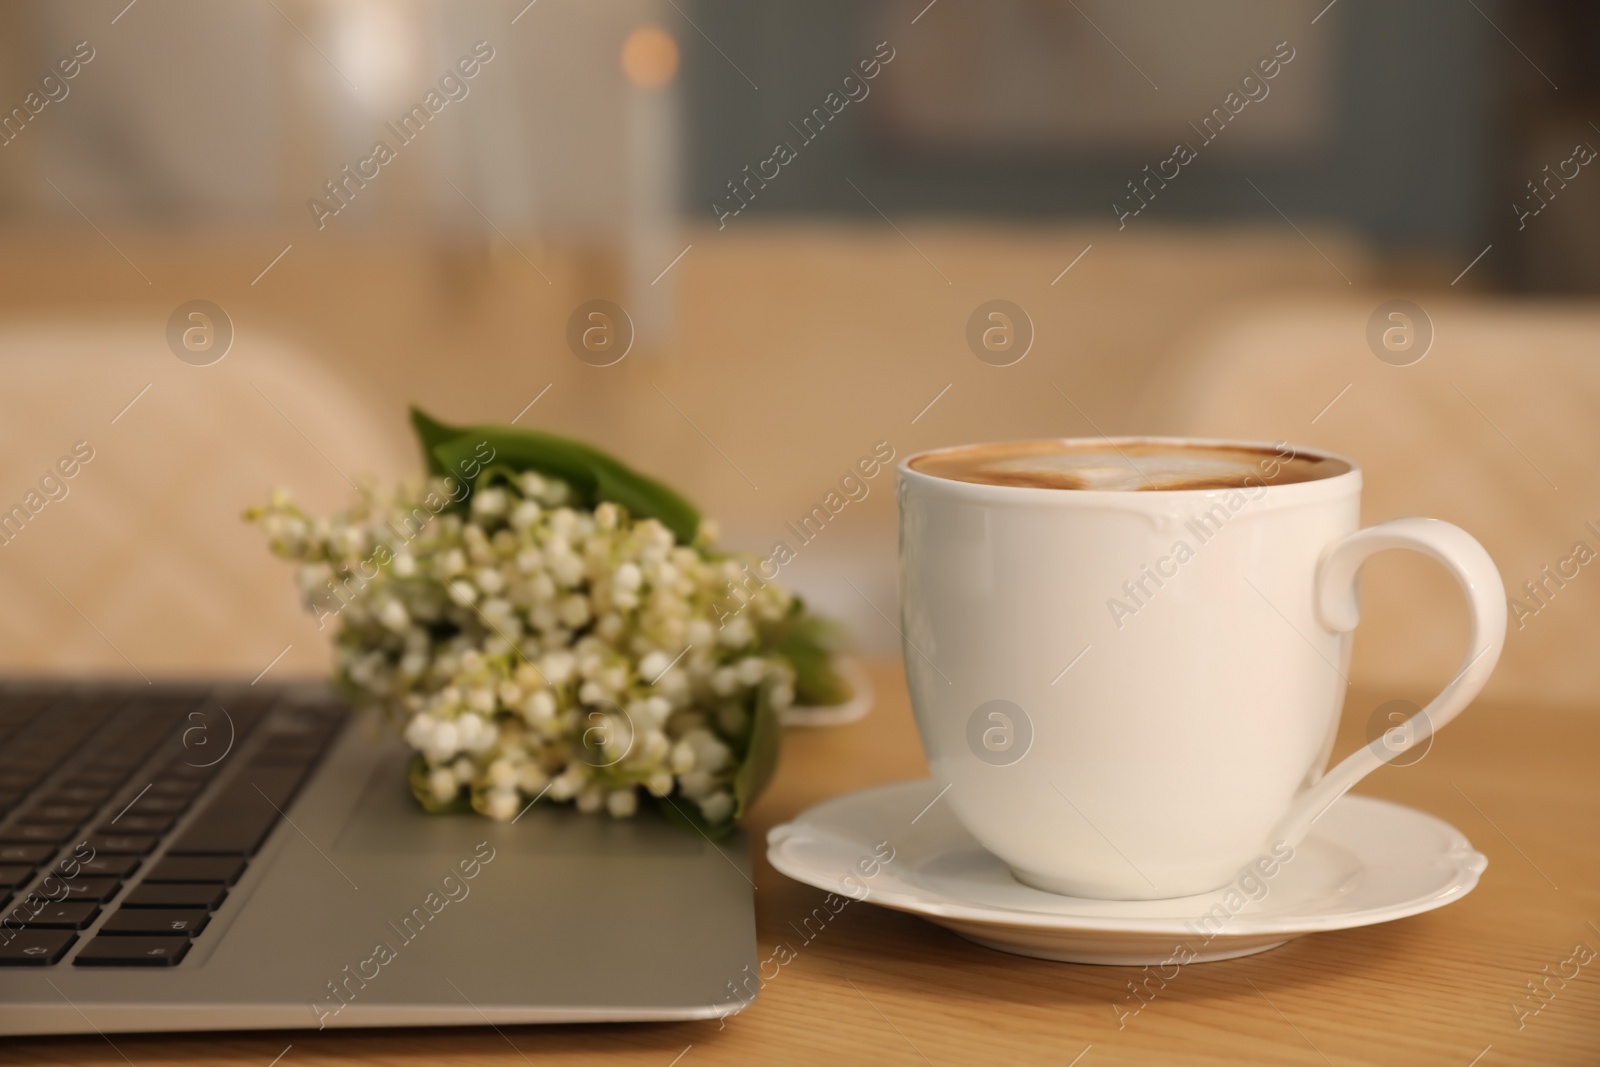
(877, 986)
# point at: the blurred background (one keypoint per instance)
(1200, 218)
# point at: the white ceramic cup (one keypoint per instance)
(1155, 749)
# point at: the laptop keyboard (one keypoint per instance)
(127, 812)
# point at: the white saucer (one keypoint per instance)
(1366, 861)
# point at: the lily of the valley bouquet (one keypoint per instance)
(541, 621)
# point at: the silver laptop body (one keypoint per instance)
(357, 909)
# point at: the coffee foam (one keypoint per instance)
(1136, 466)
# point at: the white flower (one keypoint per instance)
(489, 502)
(567, 569)
(622, 803)
(653, 666)
(393, 614)
(501, 772)
(574, 611)
(445, 742)
(566, 785)
(628, 577)
(724, 681)
(592, 798)
(735, 633)
(489, 580)
(531, 779)
(717, 807)
(500, 804)
(442, 784)
(655, 747)
(405, 564)
(751, 670)
(539, 707)
(524, 515)
(714, 755)
(419, 731)
(311, 577)
(675, 685)
(463, 593)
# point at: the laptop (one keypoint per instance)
(210, 857)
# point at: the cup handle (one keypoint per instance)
(1338, 611)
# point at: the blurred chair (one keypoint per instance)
(1493, 429)
(145, 566)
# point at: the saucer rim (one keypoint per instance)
(1461, 867)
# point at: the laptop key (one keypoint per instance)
(172, 922)
(76, 814)
(70, 793)
(121, 844)
(110, 866)
(175, 895)
(119, 951)
(162, 805)
(72, 915)
(181, 788)
(55, 887)
(194, 773)
(223, 870)
(95, 778)
(30, 854)
(138, 824)
(14, 877)
(51, 833)
(35, 948)
(238, 820)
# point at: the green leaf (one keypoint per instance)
(756, 768)
(417, 779)
(683, 812)
(432, 433)
(646, 498)
(593, 475)
(809, 642)
(760, 761)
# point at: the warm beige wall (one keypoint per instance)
(793, 348)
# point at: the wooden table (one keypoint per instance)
(877, 986)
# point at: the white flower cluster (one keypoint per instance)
(531, 647)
